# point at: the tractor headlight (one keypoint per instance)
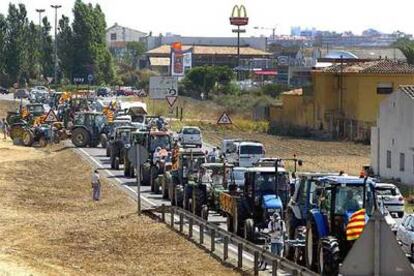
(270, 211)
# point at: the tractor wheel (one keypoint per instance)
(328, 256)
(131, 171)
(400, 214)
(80, 137)
(178, 196)
(249, 230)
(108, 151)
(311, 244)
(299, 253)
(116, 163)
(152, 177)
(103, 140)
(291, 224)
(127, 168)
(204, 212)
(112, 158)
(199, 200)
(171, 194)
(28, 138)
(157, 185)
(166, 185)
(230, 224)
(186, 201)
(42, 142)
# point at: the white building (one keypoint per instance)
(117, 33)
(392, 141)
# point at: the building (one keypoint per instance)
(345, 98)
(392, 141)
(159, 58)
(117, 38)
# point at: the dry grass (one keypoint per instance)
(318, 156)
(6, 106)
(51, 226)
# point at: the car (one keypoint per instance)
(21, 94)
(405, 235)
(190, 135)
(103, 92)
(40, 88)
(4, 90)
(40, 96)
(392, 198)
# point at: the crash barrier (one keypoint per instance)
(227, 239)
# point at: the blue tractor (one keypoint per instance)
(248, 211)
(319, 213)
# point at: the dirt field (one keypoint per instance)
(318, 156)
(50, 226)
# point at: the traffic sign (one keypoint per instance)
(224, 119)
(171, 100)
(49, 79)
(51, 117)
(78, 80)
(161, 87)
(90, 77)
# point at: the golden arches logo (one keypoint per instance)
(240, 12)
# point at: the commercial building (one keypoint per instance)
(117, 38)
(392, 140)
(345, 98)
(159, 58)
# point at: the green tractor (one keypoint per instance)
(119, 146)
(89, 129)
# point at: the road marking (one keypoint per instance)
(232, 248)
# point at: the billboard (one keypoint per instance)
(180, 60)
(161, 87)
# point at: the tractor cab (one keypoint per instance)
(87, 128)
(339, 202)
(35, 109)
(190, 161)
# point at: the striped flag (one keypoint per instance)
(355, 225)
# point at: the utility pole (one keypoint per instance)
(56, 7)
(40, 11)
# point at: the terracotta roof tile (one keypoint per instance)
(384, 66)
(210, 50)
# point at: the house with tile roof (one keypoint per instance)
(345, 97)
(392, 140)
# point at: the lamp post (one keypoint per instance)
(56, 7)
(239, 18)
(40, 11)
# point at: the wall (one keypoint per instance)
(396, 124)
(123, 34)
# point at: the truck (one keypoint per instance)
(250, 209)
(245, 153)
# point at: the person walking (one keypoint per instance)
(96, 185)
(277, 231)
(4, 128)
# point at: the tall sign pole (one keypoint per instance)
(56, 7)
(239, 18)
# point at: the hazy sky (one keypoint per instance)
(211, 17)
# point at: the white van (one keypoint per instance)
(249, 153)
(190, 135)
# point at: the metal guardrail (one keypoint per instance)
(227, 239)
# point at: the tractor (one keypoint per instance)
(214, 179)
(330, 203)
(185, 177)
(89, 129)
(41, 134)
(118, 148)
(250, 210)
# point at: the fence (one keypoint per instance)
(209, 235)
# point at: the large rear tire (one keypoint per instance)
(199, 200)
(249, 230)
(127, 168)
(204, 212)
(152, 176)
(291, 225)
(108, 151)
(328, 256)
(117, 163)
(311, 244)
(230, 224)
(165, 185)
(104, 140)
(28, 138)
(80, 137)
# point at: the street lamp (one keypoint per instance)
(56, 7)
(40, 11)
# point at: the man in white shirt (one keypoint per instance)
(96, 185)
(277, 231)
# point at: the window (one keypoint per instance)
(388, 159)
(402, 162)
(113, 36)
(384, 88)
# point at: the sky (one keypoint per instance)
(211, 17)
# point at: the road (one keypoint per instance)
(97, 156)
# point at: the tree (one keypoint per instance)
(46, 49)
(134, 51)
(65, 47)
(406, 46)
(3, 30)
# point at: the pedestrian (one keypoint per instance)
(277, 231)
(4, 128)
(96, 185)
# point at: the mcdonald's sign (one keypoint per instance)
(239, 16)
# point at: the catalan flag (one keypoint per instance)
(355, 225)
